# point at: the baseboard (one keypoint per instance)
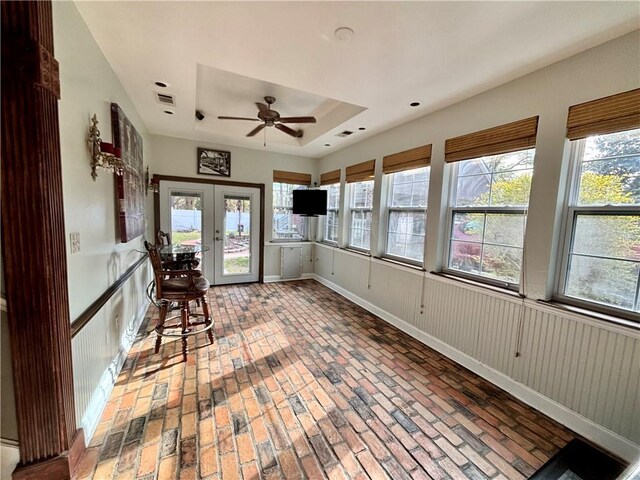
(590, 430)
(278, 278)
(9, 457)
(110, 375)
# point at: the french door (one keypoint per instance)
(224, 219)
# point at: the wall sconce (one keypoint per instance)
(103, 155)
(150, 184)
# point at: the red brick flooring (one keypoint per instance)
(302, 383)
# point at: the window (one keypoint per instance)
(286, 225)
(488, 209)
(361, 204)
(407, 213)
(330, 230)
(601, 265)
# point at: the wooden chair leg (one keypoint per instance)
(185, 328)
(160, 327)
(207, 318)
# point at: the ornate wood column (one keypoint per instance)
(33, 245)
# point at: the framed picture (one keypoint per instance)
(130, 187)
(214, 162)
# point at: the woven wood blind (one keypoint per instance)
(361, 172)
(291, 177)
(330, 178)
(510, 137)
(407, 160)
(605, 115)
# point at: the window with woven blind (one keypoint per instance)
(601, 250)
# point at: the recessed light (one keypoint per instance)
(415, 104)
(361, 128)
(327, 144)
(161, 84)
(344, 34)
(168, 112)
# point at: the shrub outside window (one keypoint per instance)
(487, 217)
(601, 265)
(407, 214)
(286, 225)
(330, 229)
(361, 205)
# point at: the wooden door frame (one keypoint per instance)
(230, 183)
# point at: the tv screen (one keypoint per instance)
(310, 202)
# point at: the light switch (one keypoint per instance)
(75, 242)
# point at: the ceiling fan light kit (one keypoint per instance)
(272, 118)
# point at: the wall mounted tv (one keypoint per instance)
(310, 203)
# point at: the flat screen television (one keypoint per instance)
(310, 203)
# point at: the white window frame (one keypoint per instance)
(571, 212)
(336, 209)
(305, 233)
(452, 210)
(388, 209)
(352, 209)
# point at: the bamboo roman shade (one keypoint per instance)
(330, 178)
(510, 137)
(291, 177)
(407, 160)
(361, 172)
(605, 115)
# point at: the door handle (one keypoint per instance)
(218, 239)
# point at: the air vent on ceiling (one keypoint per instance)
(345, 133)
(164, 99)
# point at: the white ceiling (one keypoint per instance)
(436, 53)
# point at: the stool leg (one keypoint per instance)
(160, 327)
(185, 328)
(207, 318)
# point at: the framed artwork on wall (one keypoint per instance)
(130, 187)
(214, 162)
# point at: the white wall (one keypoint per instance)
(575, 369)
(88, 86)
(177, 157)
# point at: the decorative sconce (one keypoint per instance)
(103, 155)
(150, 184)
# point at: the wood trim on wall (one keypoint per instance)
(85, 317)
(232, 183)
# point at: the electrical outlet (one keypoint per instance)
(75, 242)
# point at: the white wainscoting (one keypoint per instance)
(101, 347)
(582, 372)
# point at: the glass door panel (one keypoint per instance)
(186, 219)
(237, 239)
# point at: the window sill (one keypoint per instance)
(364, 253)
(603, 317)
(475, 283)
(400, 263)
(285, 241)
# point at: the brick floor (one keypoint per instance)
(302, 383)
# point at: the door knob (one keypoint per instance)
(218, 239)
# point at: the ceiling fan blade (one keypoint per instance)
(262, 107)
(256, 130)
(239, 118)
(289, 131)
(298, 119)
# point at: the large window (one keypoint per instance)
(286, 225)
(361, 204)
(602, 246)
(487, 216)
(407, 214)
(330, 229)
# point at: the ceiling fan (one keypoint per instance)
(271, 118)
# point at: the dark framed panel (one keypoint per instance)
(214, 162)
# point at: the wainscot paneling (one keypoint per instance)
(583, 372)
(101, 347)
